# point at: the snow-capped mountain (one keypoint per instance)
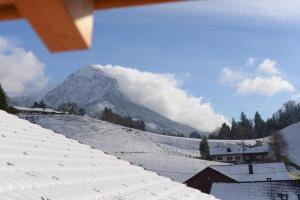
(29, 99)
(93, 90)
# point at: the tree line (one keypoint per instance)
(109, 116)
(255, 128)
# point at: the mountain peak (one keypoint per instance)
(93, 90)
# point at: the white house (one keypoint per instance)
(239, 153)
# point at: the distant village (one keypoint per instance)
(248, 172)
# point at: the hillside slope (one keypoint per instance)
(145, 149)
(292, 136)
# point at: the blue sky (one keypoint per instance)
(195, 41)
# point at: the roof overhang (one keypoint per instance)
(63, 25)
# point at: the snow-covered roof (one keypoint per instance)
(292, 137)
(261, 171)
(46, 110)
(257, 190)
(36, 163)
(232, 149)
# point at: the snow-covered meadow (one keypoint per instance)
(174, 157)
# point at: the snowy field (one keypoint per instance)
(168, 156)
(292, 136)
(174, 157)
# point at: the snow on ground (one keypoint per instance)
(292, 136)
(170, 157)
(36, 163)
(191, 146)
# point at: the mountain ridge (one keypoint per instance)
(92, 89)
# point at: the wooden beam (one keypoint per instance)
(8, 10)
(108, 4)
(62, 24)
(6, 2)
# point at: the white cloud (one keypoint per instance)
(229, 76)
(161, 93)
(266, 81)
(268, 66)
(20, 70)
(251, 61)
(267, 86)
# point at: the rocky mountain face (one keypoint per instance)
(93, 90)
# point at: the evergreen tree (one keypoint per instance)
(224, 132)
(35, 105)
(204, 149)
(3, 99)
(109, 116)
(234, 131)
(259, 126)
(245, 127)
(42, 104)
(195, 134)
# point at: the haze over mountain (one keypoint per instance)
(93, 90)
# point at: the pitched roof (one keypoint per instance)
(46, 110)
(36, 163)
(231, 149)
(262, 171)
(257, 190)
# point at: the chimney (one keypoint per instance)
(250, 167)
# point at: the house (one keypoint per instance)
(204, 180)
(266, 190)
(25, 110)
(239, 153)
(36, 163)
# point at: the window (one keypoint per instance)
(219, 158)
(237, 157)
(283, 196)
(258, 157)
(269, 179)
(247, 157)
(229, 157)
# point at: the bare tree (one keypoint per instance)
(278, 145)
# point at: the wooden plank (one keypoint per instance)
(62, 24)
(8, 12)
(108, 4)
(6, 2)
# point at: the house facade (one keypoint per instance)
(240, 154)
